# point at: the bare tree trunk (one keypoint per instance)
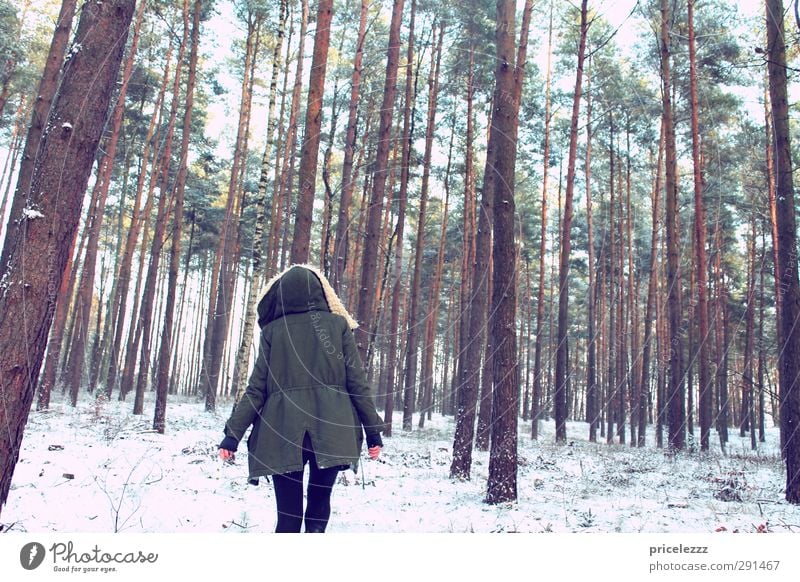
(119, 303)
(83, 302)
(747, 421)
(217, 331)
(434, 299)
(761, 347)
(563, 274)
(622, 318)
(308, 161)
(652, 289)
(283, 148)
(56, 337)
(40, 114)
(144, 320)
(633, 362)
(49, 212)
(14, 152)
(789, 359)
(341, 240)
(470, 359)
(370, 255)
(394, 325)
(482, 434)
(162, 376)
(468, 239)
(705, 389)
(413, 323)
(502, 483)
(537, 358)
(592, 413)
(677, 389)
(722, 337)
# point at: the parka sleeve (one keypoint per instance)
(360, 390)
(248, 407)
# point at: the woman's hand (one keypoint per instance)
(227, 455)
(374, 452)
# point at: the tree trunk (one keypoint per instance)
(217, 331)
(470, 358)
(144, 321)
(789, 359)
(310, 152)
(394, 325)
(83, 302)
(705, 390)
(613, 338)
(591, 360)
(652, 289)
(434, 299)
(56, 337)
(413, 315)
(677, 389)
(370, 254)
(341, 240)
(560, 398)
(631, 362)
(761, 347)
(49, 212)
(259, 250)
(537, 358)
(722, 337)
(748, 391)
(162, 376)
(468, 239)
(40, 114)
(482, 434)
(502, 483)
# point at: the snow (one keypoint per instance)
(66, 125)
(31, 213)
(128, 478)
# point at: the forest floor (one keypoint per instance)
(98, 468)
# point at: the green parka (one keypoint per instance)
(308, 377)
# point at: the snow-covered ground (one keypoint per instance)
(98, 468)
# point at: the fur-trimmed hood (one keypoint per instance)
(297, 289)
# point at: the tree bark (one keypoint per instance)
(398, 287)
(341, 240)
(413, 324)
(310, 151)
(560, 398)
(162, 376)
(139, 221)
(592, 412)
(370, 255)
(705, 390)
(537, 357)
(677, 389)
(260, 250)
(83, 302)
(434, 299)
(145, 317)
(502, 483)
(228, 250)
(49, 213)
(652, 289)
(40, 114)
(789, 359)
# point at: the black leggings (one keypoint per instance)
(289, 495)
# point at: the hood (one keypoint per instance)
(298, 289)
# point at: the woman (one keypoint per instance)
(307, 398)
